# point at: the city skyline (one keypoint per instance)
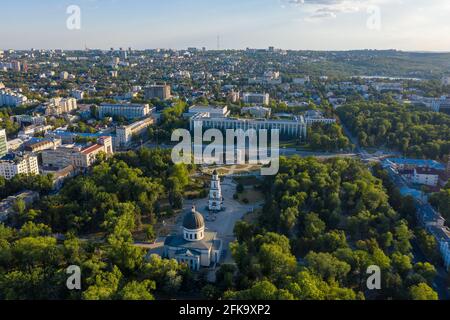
(175, 24)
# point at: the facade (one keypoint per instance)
(80, 157)
(10, 98)
(59, 106)
(194, 246)
(78, 94)
(161, 92)
(124, 134)
(42, 145)
(314, 116)
(256, 98)
(3, 143)
(28, 119)
(14, 164)
(426, 176)
(215, 193)
(128, 111)
(291, 128)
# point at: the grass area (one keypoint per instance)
(252, 195)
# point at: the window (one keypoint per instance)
(195, 236)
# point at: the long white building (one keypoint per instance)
(129, 111)
(124, 134)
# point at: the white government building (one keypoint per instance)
(294, 128)
(128, 111)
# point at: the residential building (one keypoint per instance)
(78, 94)
(3, 143)
(42, 144)
(30, 120)
(59, 106)
(10, 98)
(301, 81)
(256, 98)
(15, 144)
(128, 111)
(14, 164)
(426, 176)
(124, 134)
(161, 92)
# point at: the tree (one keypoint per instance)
(138, 290)
(422, 292)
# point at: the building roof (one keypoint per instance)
(417, 163)
(207, 243)
(193, 220)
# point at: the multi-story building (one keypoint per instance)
(292, 128)
(42, 145)
(59, 106)
(14, 164)
(78, 94)
(161, 92)
(256, 98)
(124, 134)
(87, 156)
(11, 99)
(79, 156)
(128, 111)
(3, 143)
(29, 119)
(426, 176)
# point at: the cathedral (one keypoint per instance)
(215, 193)
(196, 246)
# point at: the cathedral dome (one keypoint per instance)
(193, 220)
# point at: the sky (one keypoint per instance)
(412, 25)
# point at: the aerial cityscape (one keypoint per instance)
(222, 171)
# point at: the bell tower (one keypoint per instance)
(215, 193)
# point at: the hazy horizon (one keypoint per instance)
(317, 25)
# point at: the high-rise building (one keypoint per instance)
(59, 106)
(14, 164)
(215, 193)
(11, 99)
(161, 92)
(3, 143)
